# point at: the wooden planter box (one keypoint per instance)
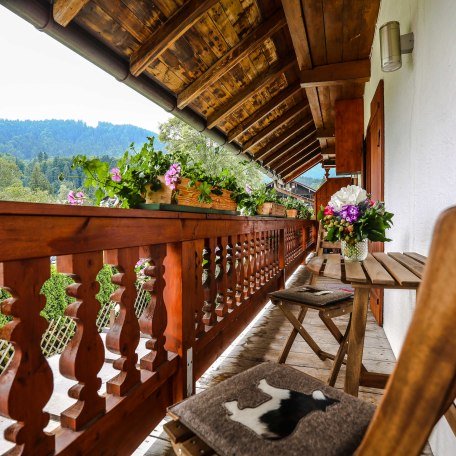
(292, 213)
(188, 196)
(272, 209)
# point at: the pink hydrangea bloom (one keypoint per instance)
(115, 174)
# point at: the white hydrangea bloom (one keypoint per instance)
(350, 195)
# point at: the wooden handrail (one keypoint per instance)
(208, 276)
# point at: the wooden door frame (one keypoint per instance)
(377, 107)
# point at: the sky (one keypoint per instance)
(42, 79)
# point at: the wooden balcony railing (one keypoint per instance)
(208, 277)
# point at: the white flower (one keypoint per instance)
(352, 194)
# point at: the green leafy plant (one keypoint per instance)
(249, 201)
(128, 179)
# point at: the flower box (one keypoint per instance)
(272, 209)
(292, 213)
(184, 195)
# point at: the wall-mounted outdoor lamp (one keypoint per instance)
(393, 45)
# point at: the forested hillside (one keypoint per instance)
(26, 139)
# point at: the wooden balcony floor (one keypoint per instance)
(263, 341)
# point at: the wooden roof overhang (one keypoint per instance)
(260, 76)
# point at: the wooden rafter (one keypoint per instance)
(295, 19)
(286, 117)
(231, 58)
(290, 134)
(311, 152)
(302, 169)
(247, 92)
(290, 147)
(336, 73)
(295, 152)
(182, 20)
(64, 11)
(325, 133)
(264, 110)
(298, 155)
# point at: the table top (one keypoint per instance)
(378, 270)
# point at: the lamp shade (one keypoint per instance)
(390, 46)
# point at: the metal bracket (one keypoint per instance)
(407, 43)
(190, 371)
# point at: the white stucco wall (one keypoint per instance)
(420, 146)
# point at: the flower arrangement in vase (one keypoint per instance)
(353, 218)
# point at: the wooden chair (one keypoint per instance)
(423, 384)
(326, 314)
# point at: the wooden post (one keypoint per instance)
(183, 286)
(305, 240)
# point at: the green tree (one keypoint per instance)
(179, 136)
(39, 181)
(18, 192)
(10, 173)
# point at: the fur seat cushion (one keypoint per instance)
(273, 409)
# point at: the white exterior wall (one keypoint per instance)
(420, 147)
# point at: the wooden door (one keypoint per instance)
(374, 178)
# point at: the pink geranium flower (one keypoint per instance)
(328, 210)
(172, 176)
(115, 174)
(76, 199)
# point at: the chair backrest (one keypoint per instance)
(322, 244)
(423, 384)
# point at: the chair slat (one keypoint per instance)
(399, 272)
(332, 268)
(354, 272)
(377, 273)
(411, 264)
(416, 256)
(315, 264)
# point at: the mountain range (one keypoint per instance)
(25, 139)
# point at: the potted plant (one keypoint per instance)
(353, 218)
(152, 177)
(262, 201)
(292, 206)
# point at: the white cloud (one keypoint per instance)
(42, 79)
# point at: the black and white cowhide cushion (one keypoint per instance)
(278, 417)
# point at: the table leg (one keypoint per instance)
(356, 340)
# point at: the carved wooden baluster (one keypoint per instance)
(83, 357)
(210, 286)
(199, 286)
(276, 251)
(262, 258)
(123, 337)
(154, 319)
(239, 267)
(267, 256)
(253, 264)
(257, 253)
(246, 267)
(27, 383)
(230, 274)
(221, 277)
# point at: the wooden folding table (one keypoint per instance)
(379, 270)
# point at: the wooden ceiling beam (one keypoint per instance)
(307, 134)
(336, 73)
(264, 110)
(249, 91)
(325, 133)
(167, 34)
(310, 153)
(302, 169)
(293, 152)
(297, 156)
(279, 141)
(64, 11)
(296, 25)
(286, 117)
(231, 58)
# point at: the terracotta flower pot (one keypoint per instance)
(292, 213)
(272, 209)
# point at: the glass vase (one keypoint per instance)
(354, 252)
